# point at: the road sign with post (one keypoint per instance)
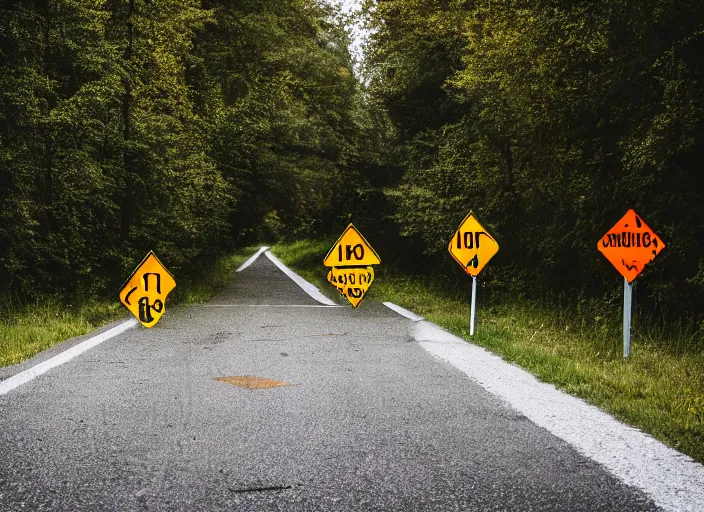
(145, 292)
(351, 259)
(630, 245)
(472, 247)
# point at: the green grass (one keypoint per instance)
(306, 258)
(204, 284)
(660, 389)
(29, 329)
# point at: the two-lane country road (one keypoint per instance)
(370, 420)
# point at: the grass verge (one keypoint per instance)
(29, 329)
(660, 389)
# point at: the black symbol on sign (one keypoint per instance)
(357, 251)
(145, 309)
(145, 277)
(469, 239)
(629, 239)
(127, 297)
(629, 267)
(355, 293)
(474, 262)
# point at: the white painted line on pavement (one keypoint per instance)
(674, 481)
(15, 381)
(428, 331)
(403, 311)
(265, 306)
(252, 259)
(305, 285)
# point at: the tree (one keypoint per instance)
(555, 118)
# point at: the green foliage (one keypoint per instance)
(550, 120)
(28, 328)
(276, 85)
(177, 126)
(189, 126)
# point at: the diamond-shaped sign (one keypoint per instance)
(351, 258)
(351, 249)
(352, 283)
(472, 246)
(630, 245)
(144, 293)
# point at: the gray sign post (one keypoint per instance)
(627, 296)
(473, 306)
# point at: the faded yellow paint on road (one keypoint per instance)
(252, 382)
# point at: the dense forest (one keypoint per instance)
(192, 127)
(550, 119)
(182, 126)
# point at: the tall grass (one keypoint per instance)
(26, 329)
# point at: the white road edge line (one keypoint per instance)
(305, 285)
(15, 381)
(265, 306)
(252, 259)
(672, 480)
(403, 312)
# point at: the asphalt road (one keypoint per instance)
(370, 422)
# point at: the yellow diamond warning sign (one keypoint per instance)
(351, 258)
(145, 292)
(351, 249)
(352, 283)
(472, 246)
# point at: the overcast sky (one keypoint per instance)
(357, 32)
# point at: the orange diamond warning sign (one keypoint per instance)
(144, 293)
(472, 246)
(351, 258)
(630, 245)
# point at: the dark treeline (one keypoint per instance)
(550, 119)
(183, 126)
(190, 127)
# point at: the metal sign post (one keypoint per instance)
(474, 305)
(630, 245)
(627, 296)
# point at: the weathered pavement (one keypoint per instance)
(372, 422)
